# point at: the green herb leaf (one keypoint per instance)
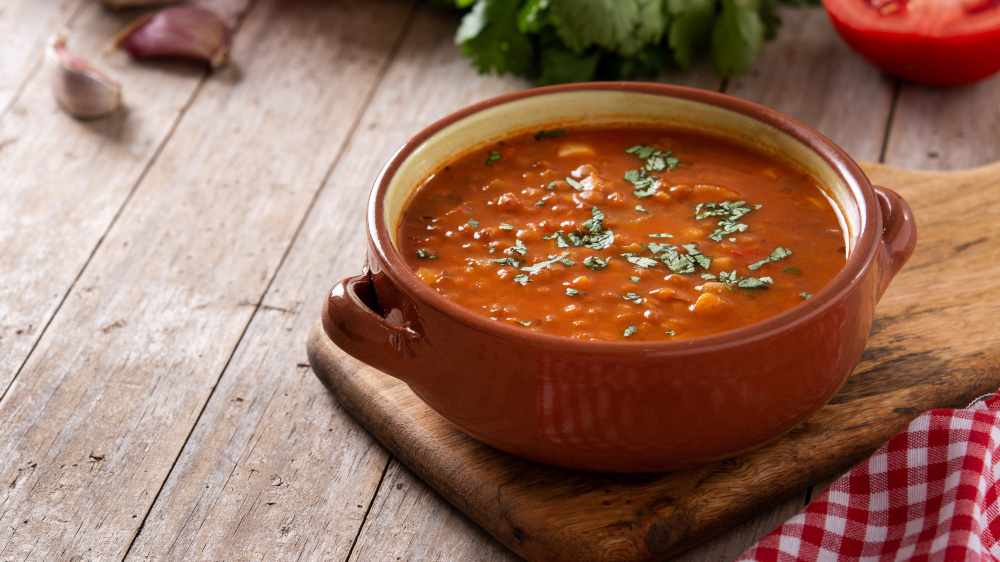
(633, 297)
(595, 263)
(777, 254)
(489, 34)
(572, 292)
(493, 157)
(534, 268)
(426, 254)
(640, 261)
(522, 279)
(629, 331)
(473, 223)
(573, 183)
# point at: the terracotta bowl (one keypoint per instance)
(619, 406)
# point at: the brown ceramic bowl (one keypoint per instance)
(619, 406)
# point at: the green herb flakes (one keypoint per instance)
(630, 296)
(535, 268)
(640, 261)
(426, 254)
(777, 254)
(629, 331)
(595, 263)
(493, 157)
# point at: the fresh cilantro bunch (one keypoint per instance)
(558, 41)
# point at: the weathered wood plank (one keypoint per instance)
(946, 128)
(64, 181)
(101, 409)
(25, 27)
(808, 73)
(398, 526)
(213, 502)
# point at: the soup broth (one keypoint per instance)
(622, 233)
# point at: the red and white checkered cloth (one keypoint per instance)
(930, 493)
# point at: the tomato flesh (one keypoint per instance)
(934, 42)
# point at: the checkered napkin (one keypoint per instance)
(930, 493)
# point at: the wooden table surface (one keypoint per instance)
(160, 270)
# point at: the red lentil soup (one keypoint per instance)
(622, 233)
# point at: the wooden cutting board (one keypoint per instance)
(934, 344)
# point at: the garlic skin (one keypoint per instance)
(178, 31)
(80, 88)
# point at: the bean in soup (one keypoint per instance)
(622, 233)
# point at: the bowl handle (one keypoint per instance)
(899, 234)
(354, 321)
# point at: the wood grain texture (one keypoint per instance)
(273, 457)
(922, 355)
(807, 72)
(25, 28)
(945, 128)
(101, 409)
(65, 181)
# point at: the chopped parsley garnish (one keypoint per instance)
(654, 160)
(792, 270)
(660, 235)
(629, 331)
(642, 209)
(630, 296)
(754, 282)
(633, 279)
(522, 279)
(493, 157)
(519, 247)
(426, 255)
(729, 211)
(806, 295)
(505, 226)
(572, 292)
(534, 268)
(512, 262)
(522, 322)
(573, 183)
(540, 203)
(777, 254)
(640, 261)
(473, 223)
(685, 263)
(595, 263)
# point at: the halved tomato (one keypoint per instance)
(936, 42)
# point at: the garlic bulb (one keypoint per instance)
(79, 87)
(179, 31)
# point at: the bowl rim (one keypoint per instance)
(860, 261)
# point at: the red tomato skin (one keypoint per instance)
(948, 61)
